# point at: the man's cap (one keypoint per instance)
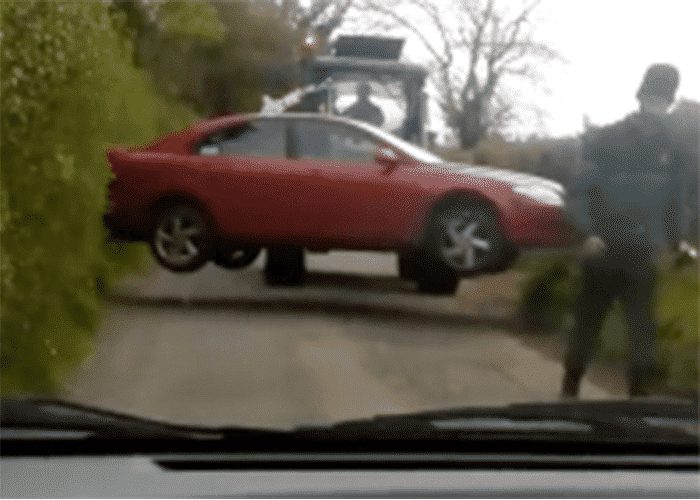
(660, 80)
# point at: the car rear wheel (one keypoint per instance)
(408, 265)
(285, 266)
(182, 239)
(236, 257)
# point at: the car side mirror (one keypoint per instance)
(387, 157)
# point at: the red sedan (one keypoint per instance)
(227, 187)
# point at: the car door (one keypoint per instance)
(253, 190)
(355, 199)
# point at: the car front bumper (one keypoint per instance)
(531, 224)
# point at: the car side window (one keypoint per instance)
(325, 140)
(265, 138)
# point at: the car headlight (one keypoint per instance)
(541, 194)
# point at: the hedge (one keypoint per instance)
(547, 300)
(69, 89)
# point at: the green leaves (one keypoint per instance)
(190, 19)
(548, 297)
(76, 78)
(68, 90)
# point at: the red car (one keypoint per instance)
(227, 187)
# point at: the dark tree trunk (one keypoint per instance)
(217, 95)
(470, 126)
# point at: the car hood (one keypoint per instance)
(509, 177)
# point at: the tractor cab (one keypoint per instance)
(361, 77)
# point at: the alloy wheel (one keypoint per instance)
(179, 236)
(466, 242)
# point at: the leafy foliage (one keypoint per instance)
(557, 159)
(251, 50)
(78, 77)
(69, 89)
(548, 296)
(677, 318)
(190, 20)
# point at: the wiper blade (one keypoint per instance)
(51, 427)
(662, 408)
(56, 419)
(627, 420)
(612, 421)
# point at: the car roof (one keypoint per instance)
(213, 124)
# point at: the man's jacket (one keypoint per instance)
(631, 191)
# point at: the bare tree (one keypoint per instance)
(474, 46)
(317, 18)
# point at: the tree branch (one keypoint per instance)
(474, 46)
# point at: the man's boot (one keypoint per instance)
(570, 386)
(645, 383)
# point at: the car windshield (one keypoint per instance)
(412, 150)
(209, 218)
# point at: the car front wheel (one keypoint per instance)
(465, 238)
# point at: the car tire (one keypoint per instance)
(181, 238)
(464, 238)
(235, 257)
(431, 276)
(285, 266)
(508, 258)
(438, 283)
(408, 265)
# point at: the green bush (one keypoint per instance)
(548, 296)
(548, 293)
(68, 90)
(677, 317)
(556, 158)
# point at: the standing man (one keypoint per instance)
(363, 108)
(629, 206)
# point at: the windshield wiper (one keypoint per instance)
(635, 421)
(33, 426)
(55, 419)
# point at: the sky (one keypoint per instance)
(607, 44)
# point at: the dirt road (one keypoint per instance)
(219, 347)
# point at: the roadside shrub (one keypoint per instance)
(678, 337)
(548, 295)
(68, 90)
(555, 158)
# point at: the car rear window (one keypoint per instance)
(265, 138)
